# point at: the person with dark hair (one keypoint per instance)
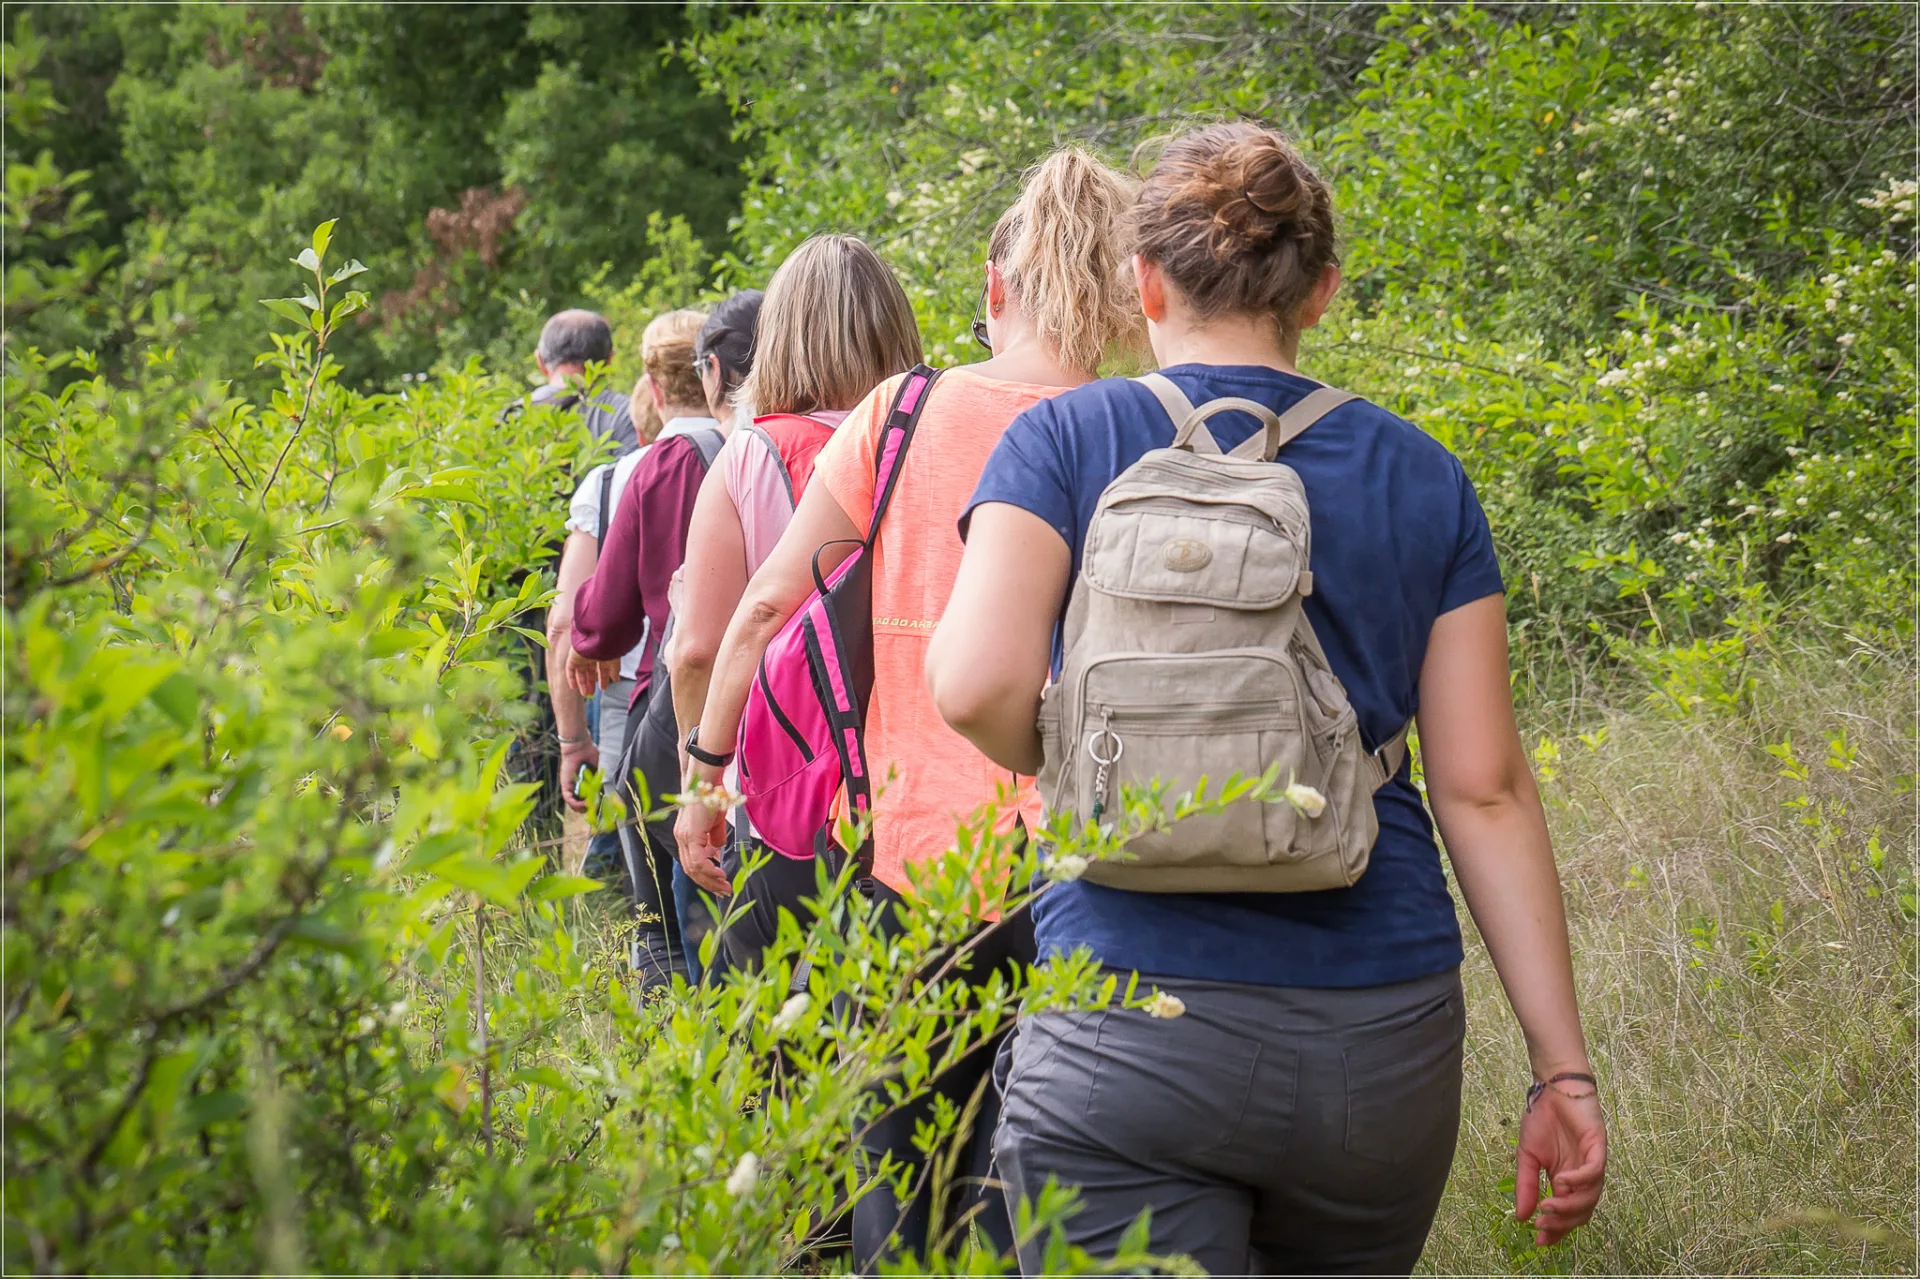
(1288, 1100)
(723, 353)
(625, 603)
(568, 343)
(559, 743)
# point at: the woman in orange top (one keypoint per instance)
(1054, 303)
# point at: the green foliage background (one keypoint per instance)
(287, 985)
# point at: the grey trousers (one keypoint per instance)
(1270, 1130)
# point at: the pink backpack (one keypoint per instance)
(800, 733)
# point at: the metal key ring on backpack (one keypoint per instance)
(1119, 747)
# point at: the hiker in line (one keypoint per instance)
(1053, 302)
(587, 726)
(835, 324)
(723, 356)
(569, 341)
(1291, 1103)
(624, 605)
(592, 730)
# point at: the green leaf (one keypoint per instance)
(354, 302)
(287, 308)
(545, 1076)
(549, 888)
(317, 932)
(179, 697)
(322, 237)
(210, 1109)
(449, 493)
(499, 884)
(308, 259)
(347, 272)
(398, 640)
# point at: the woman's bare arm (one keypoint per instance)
(776, 592)
(990, 655)
(577, 560)
(713, 577)
(1488, 810)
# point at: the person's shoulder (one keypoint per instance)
(1102, 395)
(1397, 435)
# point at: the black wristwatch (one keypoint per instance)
(708, 758)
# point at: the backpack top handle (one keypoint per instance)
(1281, 428)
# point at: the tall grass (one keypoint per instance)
(1748, 980)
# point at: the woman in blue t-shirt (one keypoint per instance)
(1300, 1114)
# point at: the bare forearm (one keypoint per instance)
(692, 676)
(569, 708)
(1002, 724)
(1503, 859)
(753, 627)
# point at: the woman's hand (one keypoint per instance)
(575, 756)
(589, 676)
(701, 830)
(1563, 1135)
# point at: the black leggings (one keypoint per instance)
(783, 883)
(648, 847)
(883, 1224)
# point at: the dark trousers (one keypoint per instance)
(650, 853)
(784, 883)
(886, 1223)
(1271, 1130)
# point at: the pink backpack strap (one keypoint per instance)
(890, 451)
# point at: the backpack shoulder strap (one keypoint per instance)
(1315, 406)
(1387, 758)
(779, 463)
(890, 449)
(707, 441)
(1171, 397)
(606, 501)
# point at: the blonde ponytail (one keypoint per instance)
(1062, 250)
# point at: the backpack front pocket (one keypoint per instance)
(1174, 724)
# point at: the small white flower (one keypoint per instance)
(1775, 387)
(1067, 867)
(1165, 1006)
(791, 1012)
(1784, 537)
(1306, 799)
(1845, 339)
(741, 1181)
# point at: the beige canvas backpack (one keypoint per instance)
(1188, 655)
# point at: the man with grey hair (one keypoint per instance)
(549, 751)
(568, 342)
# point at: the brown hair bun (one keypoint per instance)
(1238, 221)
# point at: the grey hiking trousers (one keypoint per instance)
(1270, 1130)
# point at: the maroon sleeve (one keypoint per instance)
(645, 544)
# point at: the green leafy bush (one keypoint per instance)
(286, 987)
